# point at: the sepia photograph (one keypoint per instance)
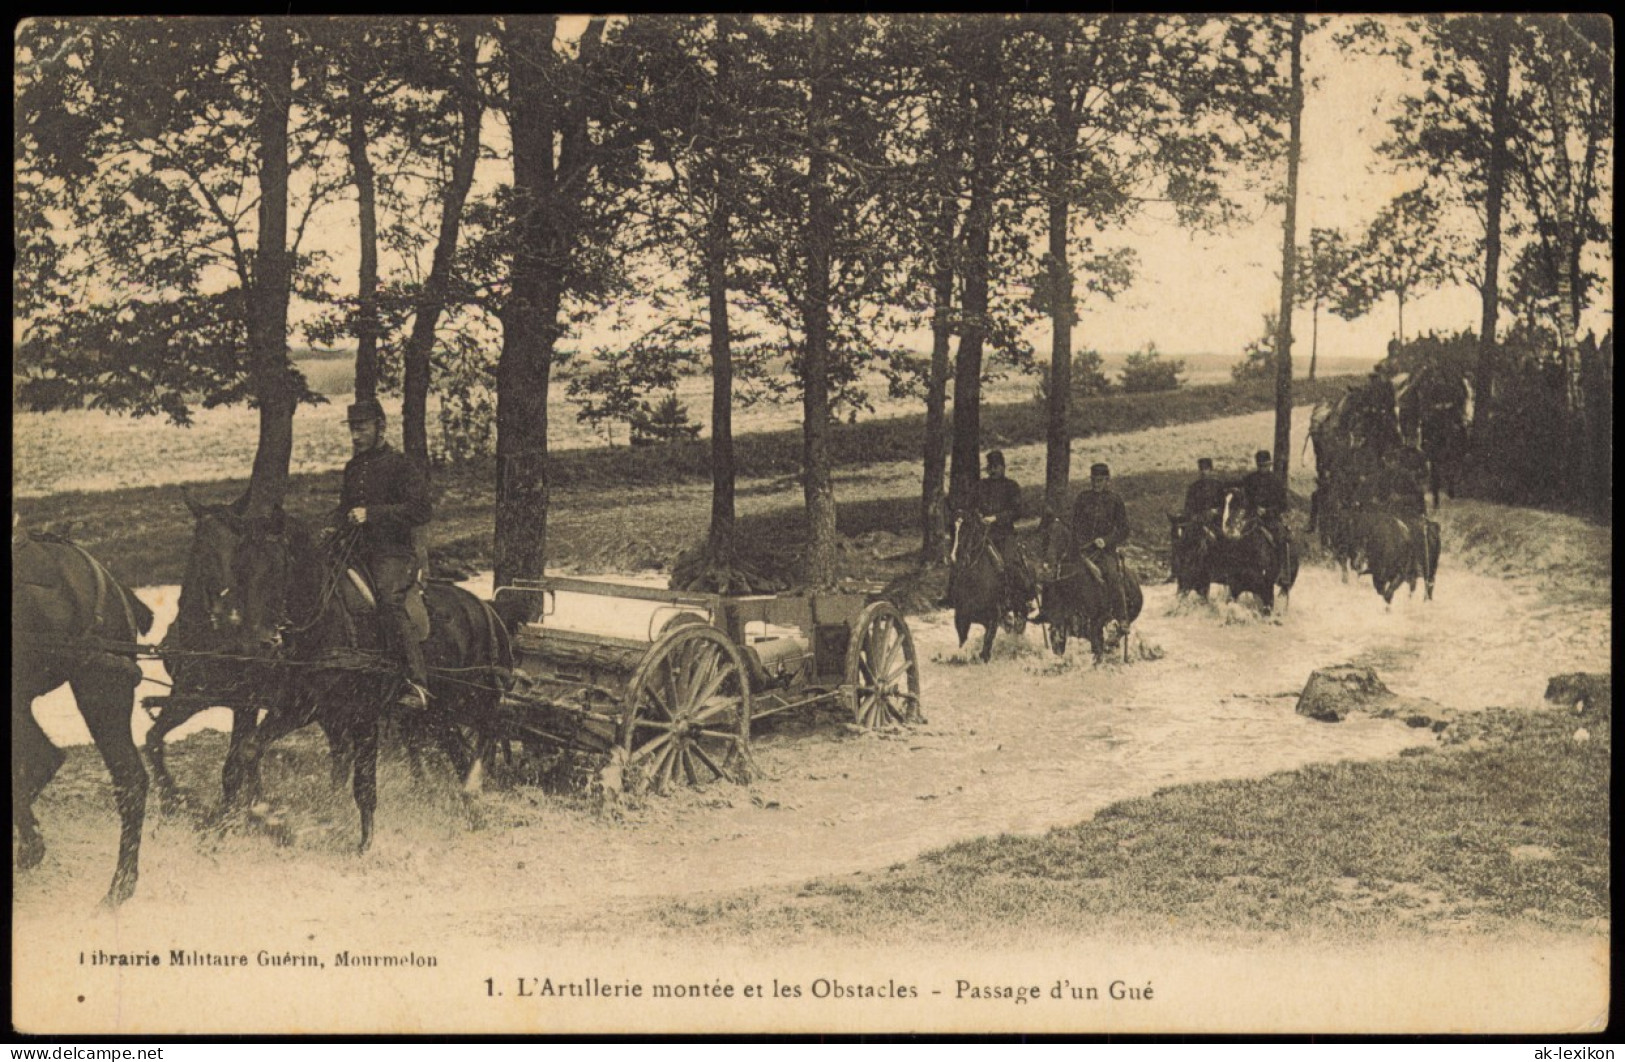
(939, 524)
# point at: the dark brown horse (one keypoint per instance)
(1076, 599)
(981, 591)
(1192, 542)
(1398, 551)
(199, 652)
(1249, 560)
(73, 623)
(295, 611)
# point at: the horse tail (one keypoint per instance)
(141, 616)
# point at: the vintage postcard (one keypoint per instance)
(738, 525)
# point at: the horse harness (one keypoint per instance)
(106, 585)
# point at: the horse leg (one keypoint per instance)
(242, 769)
(235, 772)
(106, 698)
(962, 627)
(173, 714)
(34, 762)
(366, 775)
(340, 754)
(991, 629)
(1097, 640)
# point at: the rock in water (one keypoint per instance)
(1333, 692)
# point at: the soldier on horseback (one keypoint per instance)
(998, 499)
(1404, 482)
(386, 499)
(1099, 528)
(1205, 497)
(1268, 497)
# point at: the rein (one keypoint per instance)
(330, 584)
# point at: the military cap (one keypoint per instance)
(1204, 464)
(995, 457)
(364, 410)
(1262, 457)
(1099, 470)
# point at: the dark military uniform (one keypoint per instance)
(395, 493)
(1001, 499)
(1266, 494)
(1100, 514)
(1404, 482)
(1202, 499)
(1382, 418)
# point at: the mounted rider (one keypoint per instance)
(1382, 414)
(386, 498)
(1268, 497)
(997, 498)
(1205, 497)
(1099, 529)
(1403, 482)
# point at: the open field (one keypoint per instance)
(139, 530)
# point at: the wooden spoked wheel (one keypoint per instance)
(882, 671)
(687, 716)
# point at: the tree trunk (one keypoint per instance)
(1058, 437)
(270, 372)
(1314, 338)
(1283, 361)
(817, 485)
(718, 251)
(1494, 191)
(933, 503)
(978, 234)
(366, 187)
(432, 301)
(529, 317)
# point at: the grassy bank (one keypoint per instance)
(141, 533)
(1508, 824)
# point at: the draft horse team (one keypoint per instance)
(328, 625)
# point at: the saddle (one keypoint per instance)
(360, 600)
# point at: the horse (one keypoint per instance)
(1434, 411)
(73, 623)
(981, 593)
(1077, 600)
(1398, 551)
(296, 610)
(1191, 543)
(1248, 559)
(197, 651)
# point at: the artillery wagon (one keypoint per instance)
(668, 683)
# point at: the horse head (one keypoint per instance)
(277, 574)
(971, 538)
(209, 598)
(1236, 517)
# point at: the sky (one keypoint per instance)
(1195, 293)
(1208, 293)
